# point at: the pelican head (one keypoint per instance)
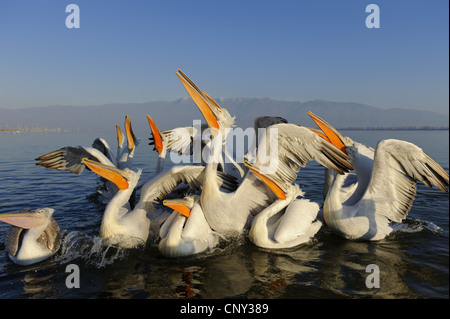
(132, 141)
(120, 137)
(183, 205)
(122, 178)
(222, 115)
(210, 110)
(156, 138)
(282, 190)
(344, 143)
(33, 237)
(186, 231)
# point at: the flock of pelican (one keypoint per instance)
(187, 209)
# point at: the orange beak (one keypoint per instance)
(210, 99)
(203, 103)
(333, 136)
(130, 135)
(156, 135)
(178, 205)
(320, 133)
(119, 136)
(117, 176)
(279, 193)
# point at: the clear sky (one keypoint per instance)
(129, 51)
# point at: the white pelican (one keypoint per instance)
(231, 213)
(69, 158)
(33, 237)
(216, 117)
(125, 156)
(186, 231)
(297, 146)
(224, 120)
(179, 140)
(386, 187)
(130, 228)
(287, 222)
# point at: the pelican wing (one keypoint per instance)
(101, 145)
(287, 147)
(397, 167)
(266, 121)
(70, 158)
(162, 184)
(12, 240)
(180, 139)
(249, 197)
(51, 236)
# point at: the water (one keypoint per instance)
(413, 263)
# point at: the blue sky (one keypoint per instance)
(129, 51)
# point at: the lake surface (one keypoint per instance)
(413, 263)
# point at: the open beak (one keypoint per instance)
(211, 100)
(333, 136)
(130, 135)
(202, 102)
(320, 133)
(156, 135)
(274, 186)
(117, 176)
(26, 220)
(119, 136)
(179, 205)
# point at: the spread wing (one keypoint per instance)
(286, 147)
(397, 167)
(101, 145)
(162, 184)
(70, 158)
(180, 139)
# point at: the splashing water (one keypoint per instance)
(411, 225)
(92, 250)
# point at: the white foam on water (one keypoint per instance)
(92, 249)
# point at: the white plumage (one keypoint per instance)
(386, 187)
(183, 235)
(34, 235)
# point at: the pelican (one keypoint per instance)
(274, 228)
(120, 225)
(69, 158)
(216, 117)
(231, 213)
(124, 156)
(130, 228)
(179, 140)
(297, 145)
(386, 187)
(186, 231)
(33, 237)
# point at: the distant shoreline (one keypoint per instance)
(401, 128)
(34, 130)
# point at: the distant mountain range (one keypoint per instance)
(181, 112)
